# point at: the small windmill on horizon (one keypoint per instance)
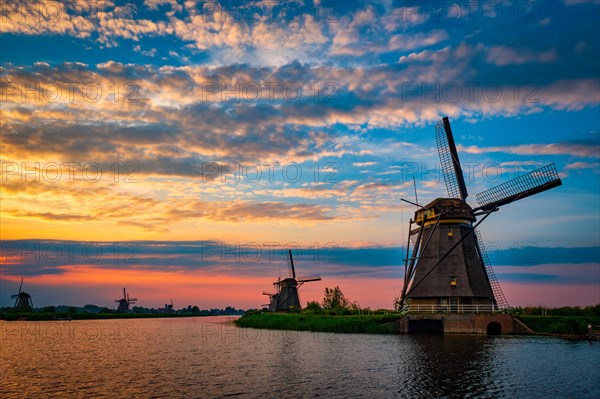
(286, 296)
(22, 298)
(446, 267)
(125, 302)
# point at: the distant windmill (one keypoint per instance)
(286, 296)
(22, 299)
(273, 297)
(168, 307)
(125, 302)
(448, 266)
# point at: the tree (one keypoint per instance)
(396, 303)
(334, 299)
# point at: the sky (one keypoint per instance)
(178, 148)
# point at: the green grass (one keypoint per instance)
(563, 325)
(384, 324)
(369, 324)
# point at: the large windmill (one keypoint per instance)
(22, 299)
(125, 302)
(446, 267)
(286, 295)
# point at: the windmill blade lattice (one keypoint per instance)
(453, 175)
(539, 180)
(498, 294)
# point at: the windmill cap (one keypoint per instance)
(453, 208)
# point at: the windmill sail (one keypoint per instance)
(453, 175)
(539, 180)
(496, 289)
(306, 279)
(291, 263)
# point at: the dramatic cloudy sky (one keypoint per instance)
(178, 147)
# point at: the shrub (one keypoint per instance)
(313, 307)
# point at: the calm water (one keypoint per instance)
(210, 357)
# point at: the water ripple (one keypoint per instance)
(205, 357)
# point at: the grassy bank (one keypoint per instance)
(384, 324)
(561, 325)
(44, 316)
(371, 324)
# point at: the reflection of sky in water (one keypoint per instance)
(203, 357)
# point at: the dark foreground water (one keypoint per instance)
(211, 357)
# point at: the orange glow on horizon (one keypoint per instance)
(154, 288)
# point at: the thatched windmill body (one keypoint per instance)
(125, 302)
(286, 295)
(22, 298)
(446, 265)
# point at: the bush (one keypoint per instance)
(568, 325)
(313, 307)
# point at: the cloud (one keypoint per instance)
(49, 216)
(570, 94)
(584, 165)
(577, 262)
(407, 42)
(591, 150)
(156, 4)
(41, 18)
(576, 2)
(502, 55)
(366, 31)
(100, 203)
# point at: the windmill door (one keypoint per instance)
(453, 305)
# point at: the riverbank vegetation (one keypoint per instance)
(561, 325)
(47, 316)
(565, 320)
(92, 312)
(572, 311)
(367, 324)
(335, 313)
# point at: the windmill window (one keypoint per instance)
(453, 282)
(449, 231)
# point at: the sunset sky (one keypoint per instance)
(177, 148)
